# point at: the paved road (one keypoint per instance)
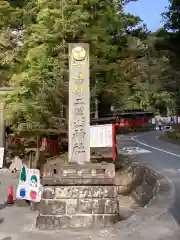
(163, 156)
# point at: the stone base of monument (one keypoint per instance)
(78, 196)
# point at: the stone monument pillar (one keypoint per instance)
(79, 104)
(79, 194)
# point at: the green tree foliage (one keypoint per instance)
(8, 16)
(146, 73)
(172, 44)
(42, 83)
(13, 17)
(128, 64)
(172, 16)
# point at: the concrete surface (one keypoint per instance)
(150, 223)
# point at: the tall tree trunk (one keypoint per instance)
(168, 110)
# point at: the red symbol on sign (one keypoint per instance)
(33, 195)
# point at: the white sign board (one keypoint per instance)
(153, 121)
(101, 136)
(1, 157)
(29, 186)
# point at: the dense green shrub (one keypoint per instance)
(173, 135)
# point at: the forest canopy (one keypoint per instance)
(130, 66)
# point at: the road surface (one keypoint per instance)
(162, 156)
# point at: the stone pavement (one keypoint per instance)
(18, 223)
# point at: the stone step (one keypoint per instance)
(79, 206)
(76, 221)
(73, 192)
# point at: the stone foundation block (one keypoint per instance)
(76, 221)
(81, 221)
(98, 206)
(52, 207)
(79, 191)
(111, 207)
(105, 206)
(81, 206)
(52, 222)
(60, 222)
(73, 181)
(104, 170)
(71, 206)
(85, 206)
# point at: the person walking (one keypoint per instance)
(160, 125)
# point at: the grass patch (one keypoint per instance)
(172, 137)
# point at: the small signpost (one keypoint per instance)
(1, 157)
(29, 187)
(103, 136)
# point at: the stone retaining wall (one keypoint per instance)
(153, 221)
(138, 181)
(136, 186)
(156, 194)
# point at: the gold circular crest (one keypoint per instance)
(79, 53)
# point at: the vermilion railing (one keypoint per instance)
(132, 122)
(49, 145)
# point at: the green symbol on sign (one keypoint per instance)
(34, 181)
(23, 174)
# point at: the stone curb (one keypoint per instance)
(156, 207)
(155, 213)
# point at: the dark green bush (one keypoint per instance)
(173, 135)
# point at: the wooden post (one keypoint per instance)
(2, 134)
(114, 152)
